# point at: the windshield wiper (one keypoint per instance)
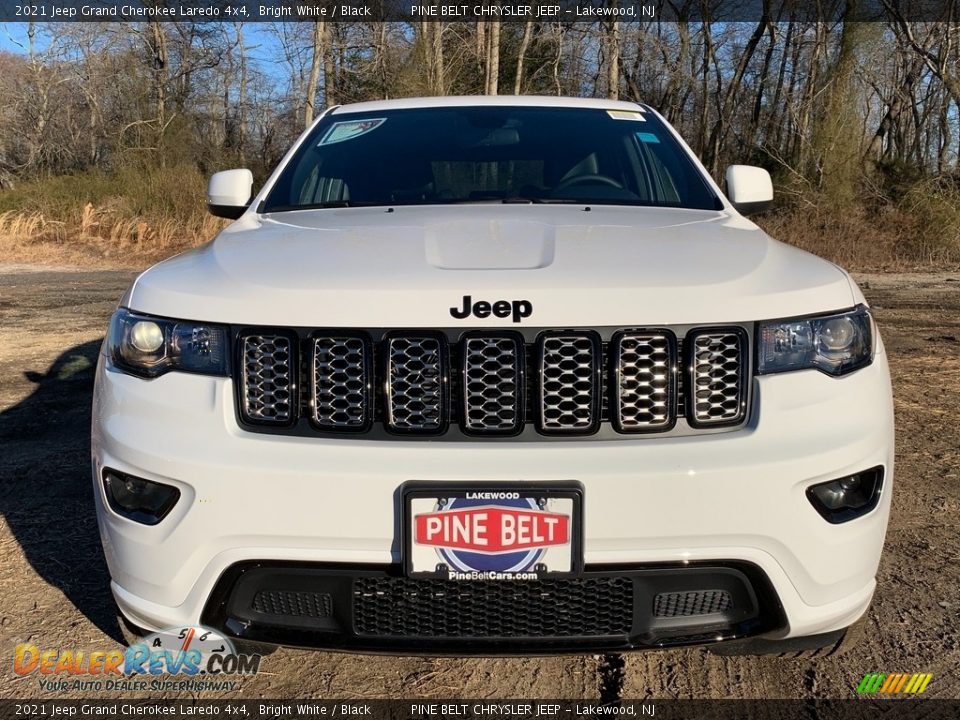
(321, 206)
(523, 200)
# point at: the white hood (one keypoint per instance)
(406, 267)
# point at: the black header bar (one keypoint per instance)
(542, 11)
(485, 709)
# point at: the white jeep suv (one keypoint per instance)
(494, 375)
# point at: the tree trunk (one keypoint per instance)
(481, 50)
(559, 56)
(764, 78)
(381, 60)
(315, 65)
(493, 59)
(521, 54)
(158, 48)
(438, 74)
(242, 96)
(613, 58)
(329, 68)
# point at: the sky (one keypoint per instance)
(265, 52)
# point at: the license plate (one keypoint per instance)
(500, 532)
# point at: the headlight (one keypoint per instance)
(834, 344)
(149, 346)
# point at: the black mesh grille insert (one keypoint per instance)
(416, 377)
(341, 380)
(717, 378)
(492, 383)
(267, 384)
(293, 603)
(685, 604)
(404, 607)
(569, 396)
(645, 380)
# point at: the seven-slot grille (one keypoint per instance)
(493, 382)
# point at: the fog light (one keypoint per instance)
(142, 501)
(842, 500)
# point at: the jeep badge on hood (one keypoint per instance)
(519, 309)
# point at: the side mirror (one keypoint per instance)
(229, 193)
(749, 188)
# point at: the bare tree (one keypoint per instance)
(319, 52)
(493, 58)
(521, 55)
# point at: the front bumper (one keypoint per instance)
(377, 609)
(735, 497)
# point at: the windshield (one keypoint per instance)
(487, 154)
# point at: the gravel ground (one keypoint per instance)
(54, 584)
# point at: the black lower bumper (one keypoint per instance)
(606, 609)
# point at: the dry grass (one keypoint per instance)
(897, 223)
(887, 240)
(95, 236)
(131, 218)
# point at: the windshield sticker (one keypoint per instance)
(646, 137)
(626, 115)
(350, 129)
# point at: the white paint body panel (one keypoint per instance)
(729, 496)
(365, 267)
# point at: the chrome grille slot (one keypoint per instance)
(645, 387)
(493, 385)
(342, 382)
(268, 387)
(716, 394)
(416, 383)
(569, 387)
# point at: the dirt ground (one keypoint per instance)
(54, 584)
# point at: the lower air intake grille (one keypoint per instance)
(293, 603)
(404, 607)
(685, 604)
(267, 382)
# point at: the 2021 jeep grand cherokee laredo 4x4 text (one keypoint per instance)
(494, 375)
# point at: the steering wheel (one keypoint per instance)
(588, 179)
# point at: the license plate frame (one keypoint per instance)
(561, 498)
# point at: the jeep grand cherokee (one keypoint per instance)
(494, 375)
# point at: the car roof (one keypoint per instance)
(488, 101)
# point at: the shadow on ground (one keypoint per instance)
(45, 489)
